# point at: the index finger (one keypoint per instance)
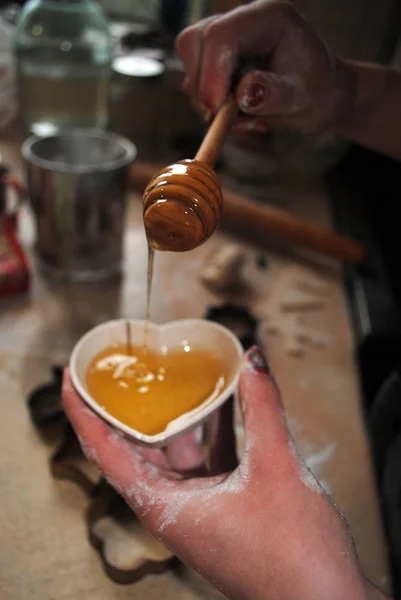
(248, 32)
(189, 46)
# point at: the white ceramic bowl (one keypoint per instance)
(198, 333)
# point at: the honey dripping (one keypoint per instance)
(182, 204)
(151, 260)
(146, 390)
(182, 207)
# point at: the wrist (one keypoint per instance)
(358, 86)
(345, 92)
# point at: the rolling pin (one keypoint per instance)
(261, 219)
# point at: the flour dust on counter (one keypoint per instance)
(296, 295)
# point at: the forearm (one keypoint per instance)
(374, 119)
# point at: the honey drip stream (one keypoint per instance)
(147, 389)
(151, 257)
(151, 260)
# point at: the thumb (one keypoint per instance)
(268, 94)
(263, 413)
(268, 441)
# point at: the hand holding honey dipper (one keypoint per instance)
(183, 203)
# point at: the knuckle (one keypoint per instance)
(280, 8)
(184, 39)
(280, 5)
(287, 9)
(212, 31)
(217, 28)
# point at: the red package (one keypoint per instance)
(14, 269)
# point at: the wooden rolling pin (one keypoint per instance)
(268, 220)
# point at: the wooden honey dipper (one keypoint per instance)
(182, 204)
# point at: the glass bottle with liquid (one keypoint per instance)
(63, 56)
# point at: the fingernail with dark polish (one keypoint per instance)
(258, 361)
(254, 95)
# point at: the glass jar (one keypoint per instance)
(63, 58)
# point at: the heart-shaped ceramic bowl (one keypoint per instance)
(197, 333)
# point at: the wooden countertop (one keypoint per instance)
(44, 552)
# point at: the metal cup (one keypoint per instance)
(77, 184)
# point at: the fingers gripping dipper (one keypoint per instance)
(182, 204)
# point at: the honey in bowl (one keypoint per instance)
(147, 390)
